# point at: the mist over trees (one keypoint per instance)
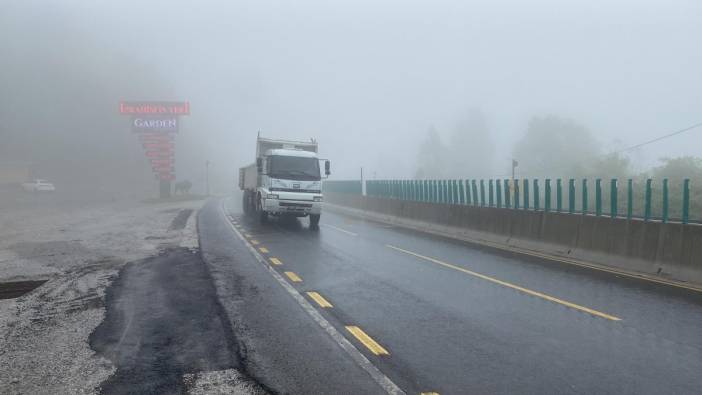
(468, 151)
(555, 146)
(59, 95)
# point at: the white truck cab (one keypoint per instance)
(285, 180)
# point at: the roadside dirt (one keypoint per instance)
(79, 251)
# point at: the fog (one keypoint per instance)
(366, 79)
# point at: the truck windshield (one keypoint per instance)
(294, 168)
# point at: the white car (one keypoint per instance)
(38, 186)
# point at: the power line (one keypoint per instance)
(631, 147)
(657, 139)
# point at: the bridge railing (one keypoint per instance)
(632, 198)
(347, 186)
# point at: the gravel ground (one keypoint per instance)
(79, 249)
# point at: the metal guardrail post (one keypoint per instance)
(629, 198)
(476, 199)
(456, 196)
(613, 198)
(571, 196)
(482, 193)
(456, 192)
(547, 195)
(537, 202)
(665, 200)
(526, 194)
(508, 202)
(584, 198)
(598, 197)
(442, 185)
(449, 192)
(686, 201)
(647, 202)
(498, 193)
(462, 191)
(491, 190)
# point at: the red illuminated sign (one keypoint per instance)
(156, 122)
(158, 145)
(156, 162)
(160, 154)
(154, 108)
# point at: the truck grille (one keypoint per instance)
(302, 205)
(295, 190)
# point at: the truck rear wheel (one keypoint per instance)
(245, 202)
(314, 221)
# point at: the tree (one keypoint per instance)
(614, 165)
(431, 157)
(471, 151)
(679, 168)
(554, 146)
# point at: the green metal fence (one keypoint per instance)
(350, 187)
(637, 198)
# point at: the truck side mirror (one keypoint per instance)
(327, 167)
(259, 164)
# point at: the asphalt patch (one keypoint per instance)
(181, 219)
(163, 320)
(16, 289)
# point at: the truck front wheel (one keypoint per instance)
(262, 215)
(314, 221)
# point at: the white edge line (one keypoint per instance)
(340, 230)
(384, 381)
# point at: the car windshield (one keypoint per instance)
(294, 168)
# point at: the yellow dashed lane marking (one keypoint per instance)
(254, 242)
(319, 299)
(293, 277)
(263, 250)
(248, 235)
(429, 393)
(509, 285)
(276, 261)
(367, 341)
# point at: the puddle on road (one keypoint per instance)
(15, 289)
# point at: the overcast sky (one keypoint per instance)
(367, 78)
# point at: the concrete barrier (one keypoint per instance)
(670, 251)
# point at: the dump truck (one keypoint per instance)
(285, 180)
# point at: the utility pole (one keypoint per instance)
(207, 176)
(363, 192)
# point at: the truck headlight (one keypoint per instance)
(271, 196)
(318, 199)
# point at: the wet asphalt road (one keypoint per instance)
(455, 318)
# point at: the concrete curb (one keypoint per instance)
(624, 248)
